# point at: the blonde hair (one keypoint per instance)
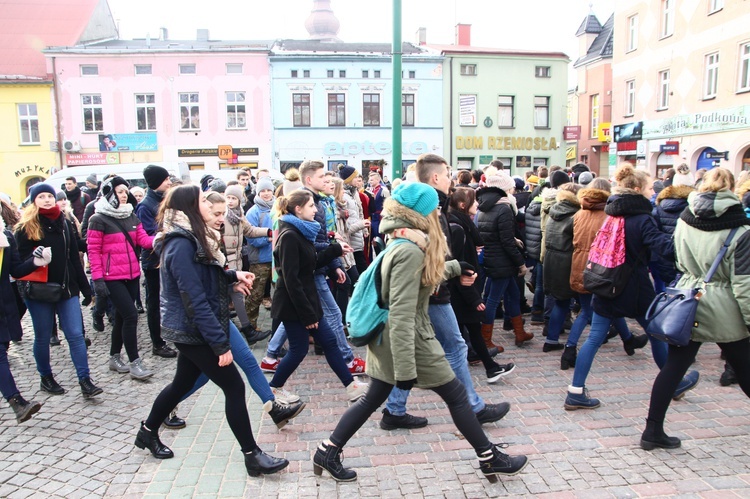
(741, 178)
(30, 223)
(434, 255)
(717, 179)
(214, 197)
(627, 177)
(338, 190)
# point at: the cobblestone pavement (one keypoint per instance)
(76, 448)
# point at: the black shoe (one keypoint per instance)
(281, 414)
(97, 321)
(634, 342)
(610, 334)
(493, 412)
(537, 318)
(493, 351)
(551, 347)
(576, 308)
(499, 371)
(328, 457)
(147, 439)
(259, 463)
(318, 350)
(54, 340)
(653, 436)
(139, 308)
(494, 462)
(568, 358)
(22, 408)
(49, 385)
(473, 359)
(88, 389)
(728, 377)
(173, 421)
(406, 422)
(507, 325)
(253, 336)
(525, 308)
(87, 341)
(164, 351)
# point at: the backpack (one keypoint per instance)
(607, 272)
(367, 314)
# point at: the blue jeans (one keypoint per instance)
(557, 320)
(448, 334)
(497, 289)
(599, 328)
(584, 317)
(244, 358)
(71, 320)
(538, 304)
(7, 384)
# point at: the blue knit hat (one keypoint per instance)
(39, 188)
(419, 197)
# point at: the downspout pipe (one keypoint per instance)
(396, 109)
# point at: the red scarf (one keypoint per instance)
(51, 213)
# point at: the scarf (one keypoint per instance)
(266, 205)
(121, 212)
(177, 219)
(74, 195)
(329, 205)
(51, 213)
(233, 216)
(416, 236)
(510, 201)
(308, 229)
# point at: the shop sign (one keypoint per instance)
(613, 155)
(467, 109)
(688, 124)
(240, 151)
(670, 148)
(626, 148)
(128, 142)
(92, 158)
(628, 132)
(718, 155)
(507, 143)
(485, 159)
(523, 162)
(28, 169)
(602, 132)
(367, 147)
(571, 153)
(571, 133)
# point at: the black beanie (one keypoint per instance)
(155, 176)
(558, 178)
(108, 189)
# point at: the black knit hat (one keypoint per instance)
(558, 178)
(155, 176)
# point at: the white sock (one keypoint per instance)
(576, 390)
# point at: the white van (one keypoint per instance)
(229, 174)
(132, 172)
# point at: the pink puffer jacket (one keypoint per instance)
(111, 256)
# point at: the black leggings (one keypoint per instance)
(453, 394)
(679, 360)
(153, 312)
(192, 360)
(122, 294)
(478, 344)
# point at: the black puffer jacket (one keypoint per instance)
(559, 246)
(465, 239)
(496, 220)
(533, 221)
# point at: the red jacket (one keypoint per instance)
(112, 257)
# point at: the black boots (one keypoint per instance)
(568, 358)
(23, 409)
(728, 377)
(173, 421)
(49, 385)
(328, 457)
(148, 439)
(259, 463)
(634, 342)
(89, 389)
(653, 436)
(494, 462)
(252, 335)
(281, 414)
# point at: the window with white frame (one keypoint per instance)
(505, 111)
(145, 112)
(301, 109)
(594, 115)
(541, 112)
(190, 111)
(542, 71)
(667, 18)
(91, 105)
(744, 71)
(715, 5)
(187, 69)
(663, 85)
(371, 110)
(234, 68)
(711, 80)
(630, 98)
(143, 69)
(28, 124)
(89, 70)
(236, 111)
(632, 33)
(407, 110)
(336, 109)
(469, 69)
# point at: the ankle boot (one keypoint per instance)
(259, 463)
(487, 337)
(49, 385)
(494, 462)
(653, 436)
(149, 439)
(521, 335)
(568, 358)
(281, 414)
(328, 457)
(23, 409)
(633, 343)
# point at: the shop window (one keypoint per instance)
(465, 163)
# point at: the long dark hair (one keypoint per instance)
(186, 198)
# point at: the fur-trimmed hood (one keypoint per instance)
(398, 216)
(565, 195)
(566, 206)
(593, 199)
(674, 192)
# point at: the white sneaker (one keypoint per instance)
(284, 397)
(356, 390)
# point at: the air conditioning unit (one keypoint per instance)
(71, 145)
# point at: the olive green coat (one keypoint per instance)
(408, 348)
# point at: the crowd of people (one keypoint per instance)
(460, 252)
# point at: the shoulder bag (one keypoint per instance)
(48, 292)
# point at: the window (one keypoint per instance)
(234, 68)
(412, 74)
(505, 111)
(468, 69)
(190, 111)
(143, 69)
(507, 162)
(365, 73)
(236, 111)
(145, 112)
(594, 115)
(336, 110)
(541, 112)
(28, 122)
(663, 100)
(301, 109)
(667, 18)
(632, 33)
(371, 110)
(92, 113)
(630, 98)
(329, 73)
(89, 70)
(407, 109)
(306, 73)
(744, 71)
(342, 73)
(542, 71)
(538, 162)
(187, 69)
(715, 5)
(294, 73)
(711, 82)
(376, 73)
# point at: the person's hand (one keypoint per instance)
(225, 359)
(42, 256)
(87, 299)
(479, 249)
(312, 326)
(100, 288)
(241, 287)
(481, 307)
(467, 280)
(340, 276)
(246, 278)
(406, 385)
(519, 243)
(346, 248)
(367, 224)
(522, 270)
(466, 268)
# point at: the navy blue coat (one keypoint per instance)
(12, 265)
(146, 212)
(670, 203)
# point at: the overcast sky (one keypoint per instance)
(526, 24)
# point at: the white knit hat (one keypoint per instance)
(501, 181)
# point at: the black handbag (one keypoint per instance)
(48, 292)
(671, 316)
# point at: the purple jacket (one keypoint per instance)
(111, 256)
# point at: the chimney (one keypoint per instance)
(202, 35)
(164, 34)
(463, 34)
(422, 36)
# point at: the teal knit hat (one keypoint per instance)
(419, 197)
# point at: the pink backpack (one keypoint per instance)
(607, 272)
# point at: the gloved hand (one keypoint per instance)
(406, 385)
(87, 299)
(467, 268)
(100, 288)
(42, 256)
